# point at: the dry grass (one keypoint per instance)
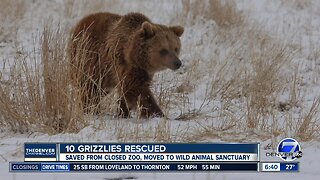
(247, 80)
(308, 128)
(224, 13)
(241, 85)
(38, 95)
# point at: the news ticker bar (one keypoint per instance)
(151, 167)
(105, 152)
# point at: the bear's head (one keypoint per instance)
(160, 45)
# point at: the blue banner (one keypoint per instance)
(289, 167)
(39, 150)
(158, 148)
(137, 167)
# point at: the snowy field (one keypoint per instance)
(251, 73)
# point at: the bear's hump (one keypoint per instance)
(134, 20)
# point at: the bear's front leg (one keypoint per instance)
(147, 104)
(139, 98)
(135, 93)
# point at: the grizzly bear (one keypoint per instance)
(123, 53)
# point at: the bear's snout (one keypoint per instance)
(172, 61)
(177, 64)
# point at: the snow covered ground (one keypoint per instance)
(294, 23)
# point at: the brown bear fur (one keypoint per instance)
(123, 52)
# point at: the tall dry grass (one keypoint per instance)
(308, 128)
(38, 94)
(239, 95)
(248, 80)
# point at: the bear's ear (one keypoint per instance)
(178, 30)
(148, 29)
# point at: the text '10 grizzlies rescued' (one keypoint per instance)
(114, 148)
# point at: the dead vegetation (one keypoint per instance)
(224, 13)
(235, 93)
(37, 94)
(248, 79)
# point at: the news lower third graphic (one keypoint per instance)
(147, 157)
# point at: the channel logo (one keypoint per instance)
(289, 149)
